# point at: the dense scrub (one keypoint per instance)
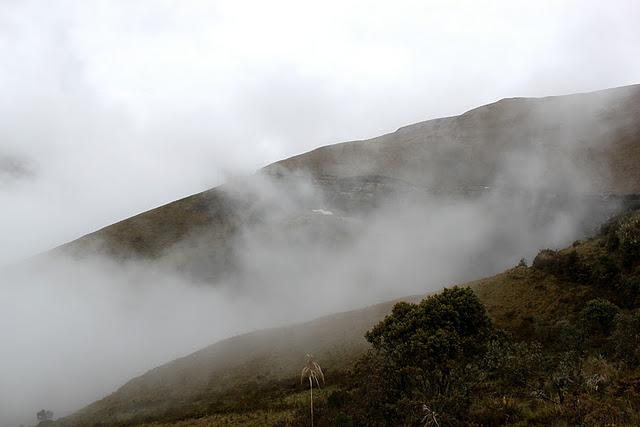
(444, 362)
(610, 262)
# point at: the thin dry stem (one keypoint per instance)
(313, 372)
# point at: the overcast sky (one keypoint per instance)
(109, 108)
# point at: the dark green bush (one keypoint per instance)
(628, 234)
(604, 273)
(568, 266)
(627, 291)
(342, 420)
(512, 365)
(338, 399)
(546, 260)
(452, 324)
(626, 338)
(599, 315)
(429, 353)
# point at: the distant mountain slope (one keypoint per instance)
(596, 133)
(466, 150)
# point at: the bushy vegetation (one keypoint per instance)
(611, 264)
(427, 354)
(444, 362)
(428, 368)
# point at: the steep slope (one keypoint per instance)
(191, 384)
(588, 141)
(219, 378)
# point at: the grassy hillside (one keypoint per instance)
(560, 346)
(253, 379)
(238, 366)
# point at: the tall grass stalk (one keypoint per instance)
(313, 372)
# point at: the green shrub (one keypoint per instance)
(512, 365)
(626, 338)
(429, 353)
(604, 273)
(546, 260)
(628, 234)
(451, 325)
(599, 315)
(338, 399)
(628, 291)
(568, 265)
(342, 420)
